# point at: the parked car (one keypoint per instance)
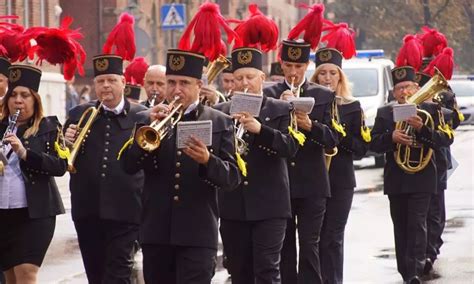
(370, 76)
(464, 90)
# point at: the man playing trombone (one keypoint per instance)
(179, 228)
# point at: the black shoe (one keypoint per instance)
(414, 280)
(428, 266)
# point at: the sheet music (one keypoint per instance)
(242, 102)
(202, 130)
(403, 111)
(304, 104)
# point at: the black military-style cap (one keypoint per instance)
(25, 76)
(184, 63)
(328, 55)
(422, 78)
(4, 65)
(295, 51)
(229, 69)
(402, 74)
(107, 64)
(246, 57)
(132, 91)
(275, 69)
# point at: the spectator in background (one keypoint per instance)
(72, 97)
(85, 96)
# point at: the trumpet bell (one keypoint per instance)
(148, 138)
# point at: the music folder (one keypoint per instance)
(202, 130)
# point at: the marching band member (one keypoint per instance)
(155, 85)
(4, 65)
(329, 73)
(227, 81)
(409, 191)
(253, 217)
(134, 79)
(29, 196)
(447, 106)
(105, 200)
(276, 73)
(309, 180)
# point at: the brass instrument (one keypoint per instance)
(153, 98)
(241, 145)
(415, 157)
(213, 69)
(149, 137)
(83, 131)
(3, 144)
(329, 153)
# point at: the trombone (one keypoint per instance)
(149, 137)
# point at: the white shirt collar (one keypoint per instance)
(191, 107)
(119, 108)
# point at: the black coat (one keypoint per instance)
(180, 196)
(396, 181)
(41, 165)
(341, 171)
(264, 193)
(307, 169)
(101, 188)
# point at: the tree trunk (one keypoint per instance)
(426, 12)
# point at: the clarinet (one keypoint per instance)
(11, 126)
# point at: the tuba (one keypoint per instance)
(149, 137)
(414, 158)
(83, 131)
(213, 69)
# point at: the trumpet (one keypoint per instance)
(153, 98)
(241, 145)
(149, 137)
(92, 112)
(10, 128)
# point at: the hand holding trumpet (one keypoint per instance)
(248, 122)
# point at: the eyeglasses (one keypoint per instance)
(411, 87)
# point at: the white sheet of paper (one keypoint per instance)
(202, 130)
(304, 104)
(403, 111)
(242, 102)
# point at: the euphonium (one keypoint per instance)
(415, 157)
(149, 137)
(213, 69)
(92, 112)
(10, 128)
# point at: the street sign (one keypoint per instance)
(173, 16)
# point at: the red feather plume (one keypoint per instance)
(433, 41)
(411, 53)
(3, 51)
(122, 37)
(59, 46)
(311, 25)
(257, 31)
(10, 38)
(444, 62)
(206, 27)
(135, 71)
(340, 37)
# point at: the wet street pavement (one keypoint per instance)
(369, 244)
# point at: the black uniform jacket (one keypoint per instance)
(307, 169)
(443, 154)
(264, 192)
(101, 188)
(180, 196)
(396, 181)
(341, 171)
(41, 165)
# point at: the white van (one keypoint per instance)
(370, 76)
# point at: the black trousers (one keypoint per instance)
(308, 216)
(435, 223)
(107, 249)
(254, 248)
(331, 247)
(169, 264)
(409, 212)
